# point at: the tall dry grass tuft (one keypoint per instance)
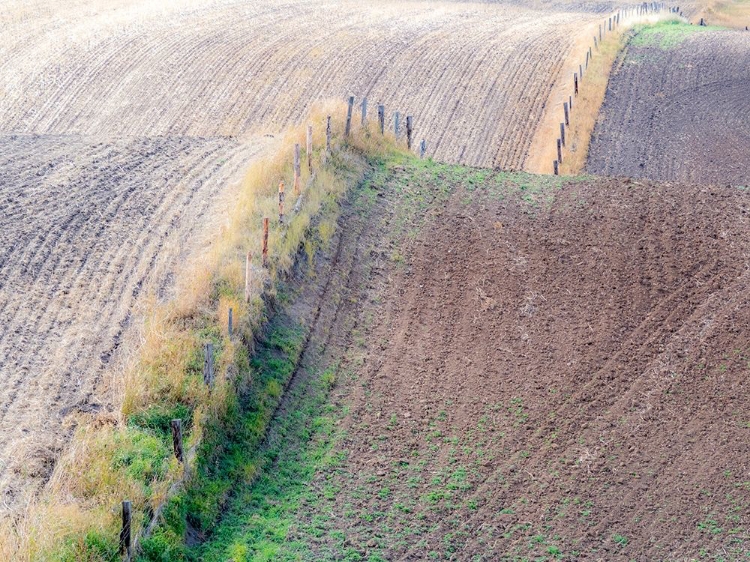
(128, 456)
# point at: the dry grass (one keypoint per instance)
(727, 13)
(82, 499)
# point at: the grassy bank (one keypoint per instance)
(129, 455)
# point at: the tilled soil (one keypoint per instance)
(86, 225)
(678, 111)
(562, 374)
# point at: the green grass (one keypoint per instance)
(667, 34)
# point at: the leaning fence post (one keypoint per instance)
(562, 133)
(177, 439)
(364, 112)
(309, 148)
(580, 72)
(591, 57)
(396, 124)
(570, 103)
(409, 130)
(559, 151)
(381, 118)
(125, 542)
(297, 170)
(587, 60)
(565, 110)
(208, 364)
(265, 241)
(281, 202)
(555, 167)
(248, 276)
(422, 148)
(230, 320)
(349, 116)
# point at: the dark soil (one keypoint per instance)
(678, 108)
(526, 369)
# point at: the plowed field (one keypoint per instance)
(677, 108)
(525, 369)
(120, 122)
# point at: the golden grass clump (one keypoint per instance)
(115, 458)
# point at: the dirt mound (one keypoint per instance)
(677, 108)
(557, 370)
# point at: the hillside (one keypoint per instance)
(677, 108)
(500, 366)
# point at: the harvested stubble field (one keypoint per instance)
(120, 123)
(677, 108)
(510, 367)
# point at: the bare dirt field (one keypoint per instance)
(677, 108)
(121, 121)
(525, 368)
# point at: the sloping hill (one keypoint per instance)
(524, 367)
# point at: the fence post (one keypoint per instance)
(409, 130)
(596, 44)
(587, 60)
(281, 202)
(177, 439)
(328, 135)
(570, 103)
(364, 112)
(580, 72)
(559, 151)
(297, 170)
(610, 25)
(208, 364)
(600, 34)
(396, 124)
(125, 540)
(562, 133)
(265, 241)
(555, 167)
(248, 276)
(381, 118)
(565, 110)
(309, 148)
(230, 321)
(422, 148)
(349, 116)
(575, 83)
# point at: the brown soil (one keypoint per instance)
(561, 376)
(678, 113)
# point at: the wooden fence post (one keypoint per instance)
(349, 116)
(248, 276)
(570, 103)
(610, 25)
(297, 170)
(177, 439)
(567, 117)
(208, 364)
(600, 34)
(596, 44)
(559, 151)
(580, 72)
(265, 241)
(555, 167)
(364, 112)
(396, 124)
(591, 56)
(575, 83)
(281, 202)
(422, 148)
(587, 60)
(230, 321)
(409, 131)
(381, 118)
(562, 133)
(125, 539)
(309, 148)
(328, 135)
